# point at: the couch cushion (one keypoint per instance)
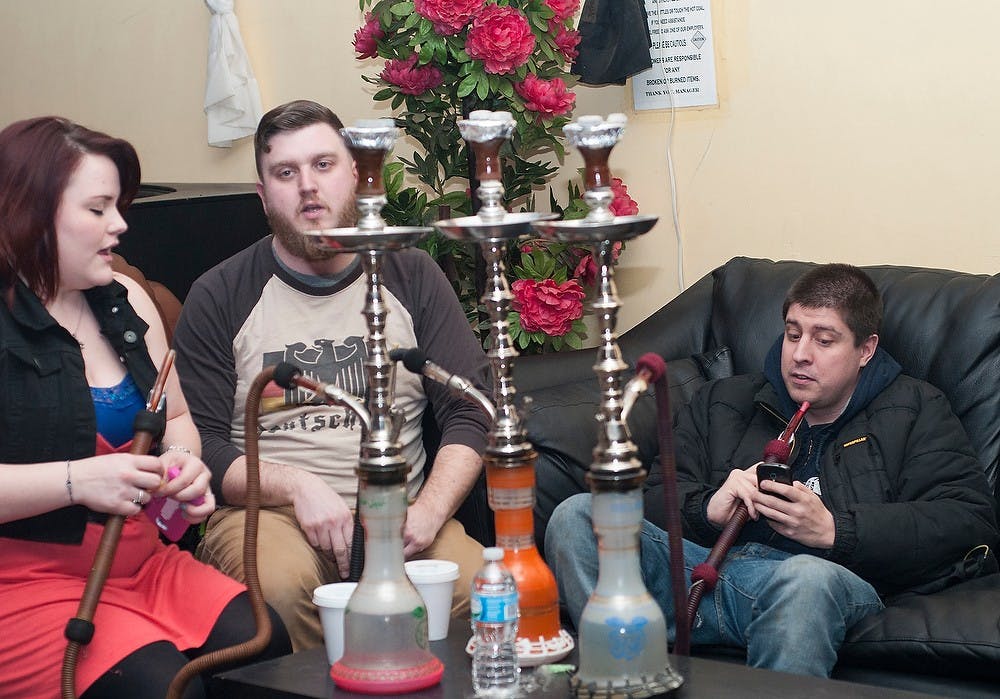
(952, 632)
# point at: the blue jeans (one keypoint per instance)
(790, 612)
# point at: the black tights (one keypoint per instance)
(149, 671)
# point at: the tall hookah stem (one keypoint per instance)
(378, 366)
(613, 439)
(510, 472)
(502, 352)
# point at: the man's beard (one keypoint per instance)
(307, 247)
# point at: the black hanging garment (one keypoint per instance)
(614, 41)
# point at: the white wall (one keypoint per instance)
(853, 131)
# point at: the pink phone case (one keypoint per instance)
(166, 513)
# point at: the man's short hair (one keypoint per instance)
(844, 288)
(290, 116)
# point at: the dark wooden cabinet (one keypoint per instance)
(177, 231)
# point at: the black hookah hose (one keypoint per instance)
(148, 427)
(247, 649)
(705, 575)
(357, 562)
(671, 501)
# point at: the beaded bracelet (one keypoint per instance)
(177, 447)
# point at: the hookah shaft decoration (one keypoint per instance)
(386, 648)
(509, 457)
(623, 633)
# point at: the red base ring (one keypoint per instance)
(367, 681)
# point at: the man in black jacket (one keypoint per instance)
(887, 495)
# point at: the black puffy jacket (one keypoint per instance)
(907, 494)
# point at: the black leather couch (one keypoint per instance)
(942, 326)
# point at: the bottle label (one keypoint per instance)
(494, 609)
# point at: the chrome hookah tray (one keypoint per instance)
(476, 229)
(360, 240)
(586, 231)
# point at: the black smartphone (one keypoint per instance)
(780, 473)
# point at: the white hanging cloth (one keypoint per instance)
(232, 98)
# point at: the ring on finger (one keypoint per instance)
(140, 497)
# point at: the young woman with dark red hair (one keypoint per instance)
(79, 351)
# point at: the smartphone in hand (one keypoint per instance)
(780, 473)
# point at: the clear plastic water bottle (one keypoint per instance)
(495, 672)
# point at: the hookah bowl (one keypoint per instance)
(623, 633)
(386, 647)
(509, 457)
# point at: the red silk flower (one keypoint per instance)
(410, 78)
(548, 307)
(564, 9)
(449, 17)
(586, 268)
(566, 40)
(501, 38)
(367, 36)
(547, 97)
(622, 204)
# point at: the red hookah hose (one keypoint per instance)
(252, 647)
(657, 369)
(706, 575)
(148, 427)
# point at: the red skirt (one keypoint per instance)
(153, 593)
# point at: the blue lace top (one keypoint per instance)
(116, 408)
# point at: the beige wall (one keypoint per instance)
(858, 131)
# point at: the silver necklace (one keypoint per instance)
(79, 320)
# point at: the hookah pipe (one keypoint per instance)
(509, 458)
(147, 427)
(706, 575)
(650, 368)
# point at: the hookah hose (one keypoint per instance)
(706, 575)
(357, 562)
(147, 428)
(653, 365)
(252, 647)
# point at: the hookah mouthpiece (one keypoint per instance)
(777, 451)
(285, 375)
(649, 369)
(413, 359)
(652, 364)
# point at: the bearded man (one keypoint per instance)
(289, 297)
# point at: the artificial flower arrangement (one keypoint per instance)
(442, 60)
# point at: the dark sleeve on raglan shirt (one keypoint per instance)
(444, 335)
(215, 308)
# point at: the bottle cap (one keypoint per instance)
(493, 553)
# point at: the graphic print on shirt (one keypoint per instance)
(323, 360)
